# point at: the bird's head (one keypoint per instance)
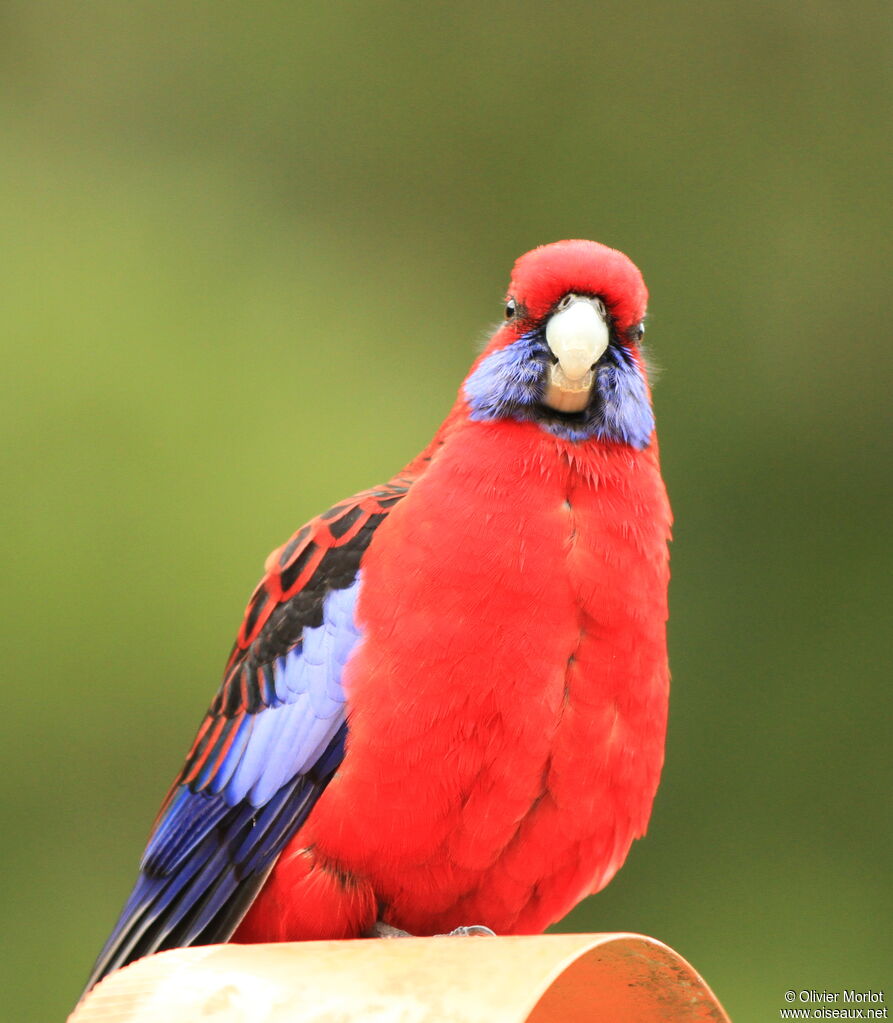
(568, 356)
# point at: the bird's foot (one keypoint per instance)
(472, 931)
(382, 930)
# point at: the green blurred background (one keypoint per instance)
(247, 252)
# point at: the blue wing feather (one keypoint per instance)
(268, 746)
(218, 836)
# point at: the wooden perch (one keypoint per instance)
(572, 978)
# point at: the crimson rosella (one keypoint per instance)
(447, 701)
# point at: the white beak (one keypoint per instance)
(578, 337)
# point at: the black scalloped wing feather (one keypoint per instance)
(323, 555)
(207, 857)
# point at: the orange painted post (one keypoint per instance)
(572, 978)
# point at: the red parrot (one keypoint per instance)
(447, 701)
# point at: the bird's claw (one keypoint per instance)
(382, 930)
(472, 931)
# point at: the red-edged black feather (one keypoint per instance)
(212, 846)
(323, 555)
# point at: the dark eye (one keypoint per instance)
(510, 308)
(636, 333)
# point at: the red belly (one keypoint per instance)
(507, 705)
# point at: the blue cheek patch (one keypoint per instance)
(508, 380)
(625, 410)
(510, 383)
